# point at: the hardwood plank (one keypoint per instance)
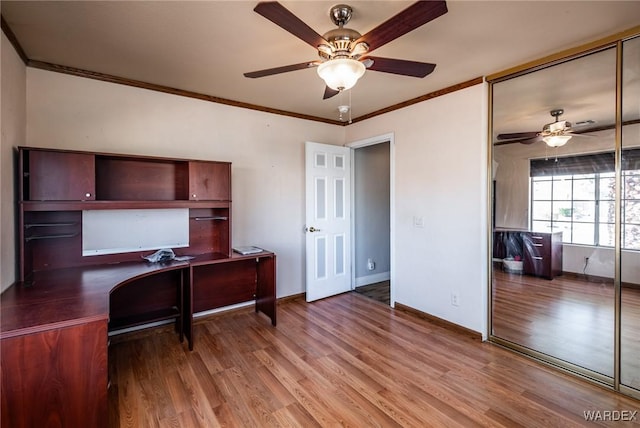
(295, 415)
(571, 318)
(340, 361)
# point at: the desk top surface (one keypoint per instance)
(66, 297)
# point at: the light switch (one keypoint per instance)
(418, 221)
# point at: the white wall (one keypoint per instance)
(440, 175)
(440, 155)
(13, 125)
(266, 150)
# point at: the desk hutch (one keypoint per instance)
(55, 320)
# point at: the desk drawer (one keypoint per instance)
(542, 254)
(535, 265)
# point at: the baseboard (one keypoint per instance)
(285, 299)
(372, 279)
(598, 279)
(587, 277)
(440, 322)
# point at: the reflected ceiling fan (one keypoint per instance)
(344, 53)
(555, 134)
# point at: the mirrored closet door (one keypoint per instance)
(553, 255)
(630, 217)
(565, 277)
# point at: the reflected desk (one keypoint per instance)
(54, 330)
(540, 252)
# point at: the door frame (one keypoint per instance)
(384, 138)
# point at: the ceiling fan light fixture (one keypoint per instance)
(556, 140)
(341, 74)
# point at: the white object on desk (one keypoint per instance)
(248, 250)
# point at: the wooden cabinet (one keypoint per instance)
(58, 185)
(56, 377)
(209, 181)
(58, 176)
(542, 254)
(63, 175)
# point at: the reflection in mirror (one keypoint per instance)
(554, 211)
(630, 239)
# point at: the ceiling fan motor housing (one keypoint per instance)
(559, 126)
(341, 40)
(340, 14)
(556, 127)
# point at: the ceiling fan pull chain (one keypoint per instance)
(350, 108)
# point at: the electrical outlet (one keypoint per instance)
(371, 265)
(455, 299)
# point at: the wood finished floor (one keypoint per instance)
(569, 318)
(341, 361)
(380, 291)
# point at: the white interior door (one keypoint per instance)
(328, 220)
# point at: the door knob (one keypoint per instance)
(312, 229)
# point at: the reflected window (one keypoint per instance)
(631, 210)
(581, 205)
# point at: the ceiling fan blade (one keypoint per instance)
(283, 69)
(580, 134)
(283, 18)
(329, 92)
(400, 66)
(589, 128)
(518, 136)
(519, 140)
(408, 20)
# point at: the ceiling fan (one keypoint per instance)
(555, 134)
(344, 53)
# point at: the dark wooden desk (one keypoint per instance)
(541, 252)
(54, 342)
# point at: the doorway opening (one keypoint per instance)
(372, 220)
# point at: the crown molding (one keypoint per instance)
(57, 68)
(14, 41)
(169, 90)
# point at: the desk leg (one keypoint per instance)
(187, 305)
(266, 287)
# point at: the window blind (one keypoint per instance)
(584, 164)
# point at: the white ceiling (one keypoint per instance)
(206, 46)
